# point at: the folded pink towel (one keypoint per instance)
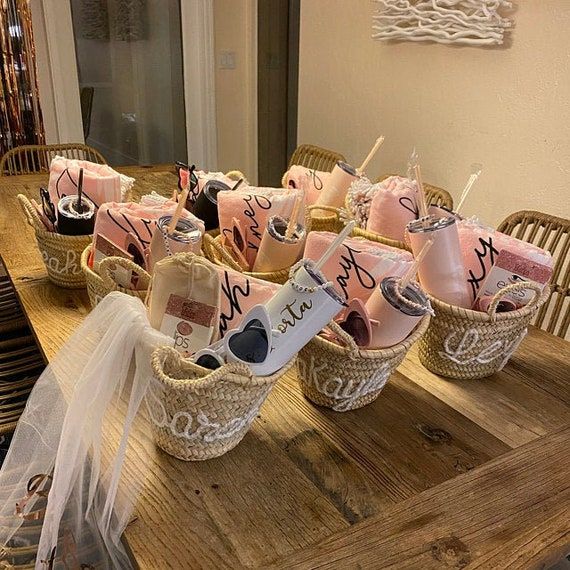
(253, 207)
(123, 223)
(480, 247)
(239, 294)
(393, 206)
(100, 182)
(358, 265)
(303, 178)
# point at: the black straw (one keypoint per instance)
(80, 191)
(237, 184)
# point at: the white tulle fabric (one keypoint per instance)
(76, 425)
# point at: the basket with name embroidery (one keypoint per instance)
(199, 414)
(61, 254)
(348, 377)
(464, 344)
(101, 283)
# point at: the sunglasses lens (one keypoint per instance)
(251, 344)
(208, 361)
(355, 326)
(238, 239)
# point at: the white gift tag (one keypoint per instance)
(190, 323)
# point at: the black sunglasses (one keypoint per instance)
(251, 344)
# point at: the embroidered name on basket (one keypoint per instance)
(457, 351)
(70, 266)
(344, 392)
(199, 428)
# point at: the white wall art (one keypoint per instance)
(467, 22)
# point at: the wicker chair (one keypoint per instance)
(315, 157)
(552, 234)
(30, 159)
(434, 195)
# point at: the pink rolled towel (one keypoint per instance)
(358, 265)
(100, 182)
(307, 179)
(252, 208)
(393, 206)
(128, 222)
(239, 294)
(481, 245)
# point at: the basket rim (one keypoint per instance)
(229, 372)
(377, 353)
(264, 276)
(481, 317)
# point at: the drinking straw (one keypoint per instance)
(422, 197)
(181, 203)
(80, 191)
(292, 225)
(334, 244)
(237, 184)
(415, 265)
(372, 152)
(468, 186)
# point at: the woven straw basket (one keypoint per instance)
(346, 377)
(61, 254)
(199, 414)
(464, 344)
(216, 253)
(102, 283)
(372, 236)
(328, 223)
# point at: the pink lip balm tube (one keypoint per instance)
(442, 271)
(394, 312)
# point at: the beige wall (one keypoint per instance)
(507, 108)
(235, 31)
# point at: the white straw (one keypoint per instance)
(467, 189)
(335, 244)
(422, 197)
(181, 203)
(415, 265)
(375, 148)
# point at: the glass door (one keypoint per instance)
(130, 70)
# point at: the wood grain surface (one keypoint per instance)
(435, 473)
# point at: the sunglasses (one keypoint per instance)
(251, 342)
(234, 240)
(47, 205)
(356, 323)
(193, 177)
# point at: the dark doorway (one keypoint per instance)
(277, 86)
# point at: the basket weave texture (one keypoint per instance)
(199, 414)
(102, 283)
(61, 254)
(329, 223)
(464, 344)
(346, 377)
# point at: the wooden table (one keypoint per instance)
(433, 474)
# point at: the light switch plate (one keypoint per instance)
(227, 60)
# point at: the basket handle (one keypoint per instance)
(513, 287)
(331, 209)
(105, 271)
(30, 212)
(346, 339)
(213, 247)
(215, 375)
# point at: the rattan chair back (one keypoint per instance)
(552, 234)
(30, 159)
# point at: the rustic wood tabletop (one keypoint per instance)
(435, 473)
